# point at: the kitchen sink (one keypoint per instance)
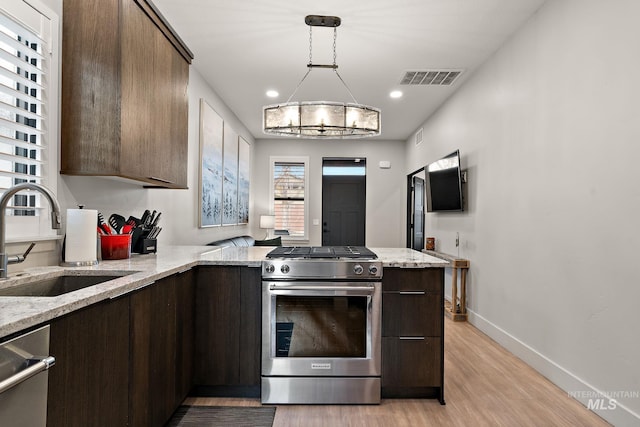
(56, 286)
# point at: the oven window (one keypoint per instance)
(321, 326)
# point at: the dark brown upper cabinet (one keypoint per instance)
(124, 93)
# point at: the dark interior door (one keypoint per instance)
(417, 238)
(343, 210)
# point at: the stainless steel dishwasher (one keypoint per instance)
(24, 362)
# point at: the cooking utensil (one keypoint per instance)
(136, 235)
(135, 222)
(102, 225)
(117, 222)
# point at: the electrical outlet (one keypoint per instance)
(457, 239)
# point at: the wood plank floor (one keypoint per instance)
(485, 385)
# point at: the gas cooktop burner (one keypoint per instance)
(331, 252)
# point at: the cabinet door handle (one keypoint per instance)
(411, 338)
(412, 292)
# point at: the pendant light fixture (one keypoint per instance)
(321, 119)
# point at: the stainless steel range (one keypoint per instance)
(321, 317)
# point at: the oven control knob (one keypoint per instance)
(358, 269)
(269, 268)
(284, 269)
(373, 270)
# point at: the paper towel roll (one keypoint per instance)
(81, 241)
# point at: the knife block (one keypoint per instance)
(146, 246)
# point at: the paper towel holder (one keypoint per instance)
(86, 263)
(75, 263)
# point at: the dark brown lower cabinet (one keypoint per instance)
(88, 385)
(413, 333)
(411, 362)
(161, 349)
(127, 361)
(228, 334)
(185, 333)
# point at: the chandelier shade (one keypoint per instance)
(321, 119)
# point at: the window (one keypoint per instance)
(289, 196)
(28, 106)
(344, 167)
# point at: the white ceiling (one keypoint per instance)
(242, 48)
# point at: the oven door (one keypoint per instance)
(321, 328)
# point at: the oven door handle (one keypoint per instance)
(353, 290)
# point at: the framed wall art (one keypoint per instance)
(244, 170)
(211, 166)
(230, 177)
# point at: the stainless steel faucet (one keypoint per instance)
(5, 259)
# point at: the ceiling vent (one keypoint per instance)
(430, 77)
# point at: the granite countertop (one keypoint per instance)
(19, 313)
(408, 258)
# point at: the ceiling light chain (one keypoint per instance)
(335, 36)
(335, 66)
(311, 45)
(322, 119)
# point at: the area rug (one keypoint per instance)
(205, 416)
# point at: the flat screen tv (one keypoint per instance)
(444, 184)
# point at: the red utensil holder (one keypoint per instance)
(115, 246)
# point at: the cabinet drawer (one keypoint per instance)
(408, 279)
(412, 313)
(411, 363)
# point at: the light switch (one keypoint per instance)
(316, 222)
(385, 164)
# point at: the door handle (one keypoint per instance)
(37, 367)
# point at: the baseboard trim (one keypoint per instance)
(225, 391)
(567, 381)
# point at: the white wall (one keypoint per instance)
(548, 129)
(386, 203)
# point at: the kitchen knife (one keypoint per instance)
(156, 219)
(150, 219)
(158, 230)
(144, 216)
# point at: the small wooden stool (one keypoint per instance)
(458, 311)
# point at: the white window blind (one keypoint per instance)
(289, 197)
(24, 77)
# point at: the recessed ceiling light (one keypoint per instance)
(395, 94)
(272, 93)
